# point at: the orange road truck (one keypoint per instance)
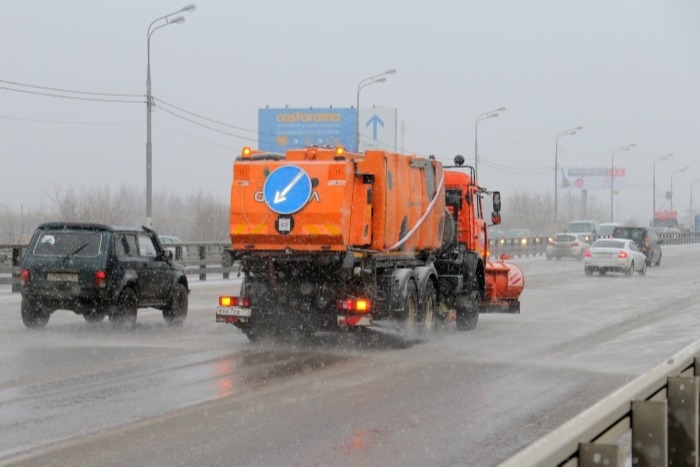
(333, 240)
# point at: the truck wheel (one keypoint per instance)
(124, 317)
(467, 312)
(409, 322)
(256, 334)
(33, 316)
(176, 311)
(428, 309)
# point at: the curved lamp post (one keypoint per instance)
(479, 118)
(561, 134)
(683, 169)
(380, 78)
(149, 103)
(658, 159)
(612, 173)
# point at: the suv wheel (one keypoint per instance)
(176, 311)
(125, 315)
(33, 316)
(94, 316)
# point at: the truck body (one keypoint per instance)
(665, 219)
(331, 240)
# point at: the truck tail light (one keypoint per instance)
(100, 279)
(24, 276)
(355, 305)
(227, 300)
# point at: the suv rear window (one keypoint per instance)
(633, 233)
(86, 244)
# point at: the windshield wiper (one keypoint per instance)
(77, 250)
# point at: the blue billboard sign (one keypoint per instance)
(282, 129)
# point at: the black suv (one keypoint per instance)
(98, 270)
(646, 239)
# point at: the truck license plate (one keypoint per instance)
(234, 311)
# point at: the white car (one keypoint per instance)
(566, 245)
(170, 243)
(614, 255)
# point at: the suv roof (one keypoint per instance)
(89, 226)
(633, 233)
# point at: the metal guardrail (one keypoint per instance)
(537, 246)
(659, 411)
(206, 259)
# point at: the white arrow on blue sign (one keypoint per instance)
(287, 189)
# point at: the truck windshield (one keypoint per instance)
(580, 227)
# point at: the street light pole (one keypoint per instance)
(379, 78)
(658, 159)
(479, 118)
(569, 132)
(672, 173)
(612, 173)
(149, 104)
(692, 225)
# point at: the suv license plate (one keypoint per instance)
(62, 277)
(234, 311)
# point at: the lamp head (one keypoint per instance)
(177, 20)
(190, 7)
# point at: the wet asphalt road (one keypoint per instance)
(79, 394)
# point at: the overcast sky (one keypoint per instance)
(628, 71)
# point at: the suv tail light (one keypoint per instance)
(100, 279)
(24, 276)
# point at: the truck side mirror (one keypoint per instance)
(497, 201)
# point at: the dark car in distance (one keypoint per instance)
(647, 241)
(98, 270)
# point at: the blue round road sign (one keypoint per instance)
(287, 189)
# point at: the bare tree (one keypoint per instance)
(210, 221)
(93, 205)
